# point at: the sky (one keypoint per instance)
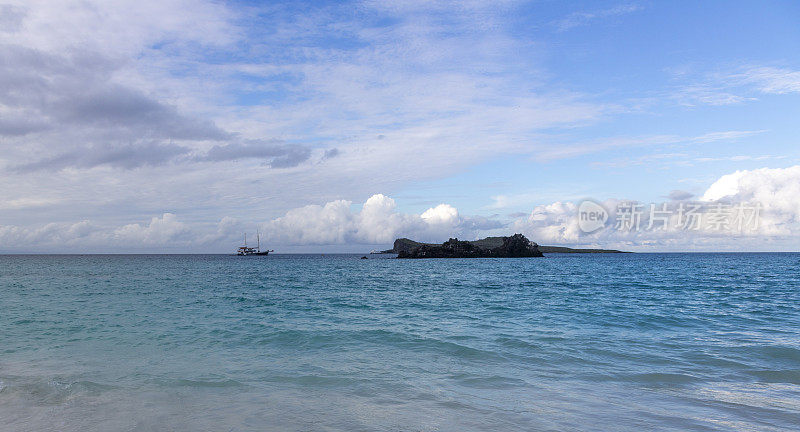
(177, 126)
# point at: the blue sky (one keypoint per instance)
(177, 125)
(652, 52)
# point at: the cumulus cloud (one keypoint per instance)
(777, 190)
(160, 231)
(774, 192)
(166, 96)
(377, 222)
(442, 214)
(755, 205)
(48, 234)
(555, 223)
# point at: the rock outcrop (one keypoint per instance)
(404, 245)
(516, 246)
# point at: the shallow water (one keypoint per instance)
(707, 342)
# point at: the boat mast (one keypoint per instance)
(245, 239)
(258, 240)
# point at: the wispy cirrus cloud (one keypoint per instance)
(556, 152)
(578, 19)
(771, 80)
(377, 95)
(124, 110)
(740, 85)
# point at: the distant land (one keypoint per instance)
(515, 246)
(404, 245)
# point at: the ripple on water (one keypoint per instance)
(624, 343)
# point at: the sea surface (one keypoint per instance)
(570, 342)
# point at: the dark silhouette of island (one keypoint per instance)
(499, 247)
(516, 246)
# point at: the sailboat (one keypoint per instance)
(248, 251)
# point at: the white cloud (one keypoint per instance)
(332, 223)
(26, 202)
(775, 191)
(442, 214)
(773, 80)
(124, 26)
(578, 19)
(708, 94)
(377, 222)
(16, 238)
(109, 110)
(160, 231)
(603, 144)
(743, 84)
(112, 108)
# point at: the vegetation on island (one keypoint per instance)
(487, 247)
(515, 246)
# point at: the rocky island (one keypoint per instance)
(515, 246)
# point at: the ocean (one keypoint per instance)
(569, 342)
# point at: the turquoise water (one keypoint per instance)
(706, 342)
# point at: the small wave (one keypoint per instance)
(329, 339)
(658, 378)
(778, 376)
(780, 352)
(487, 382)
(184, 382)
(512, 342)
(52, 391)
(316, 381)
(714, 361)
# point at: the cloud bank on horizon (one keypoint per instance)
(176, 125)
(378, 222)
